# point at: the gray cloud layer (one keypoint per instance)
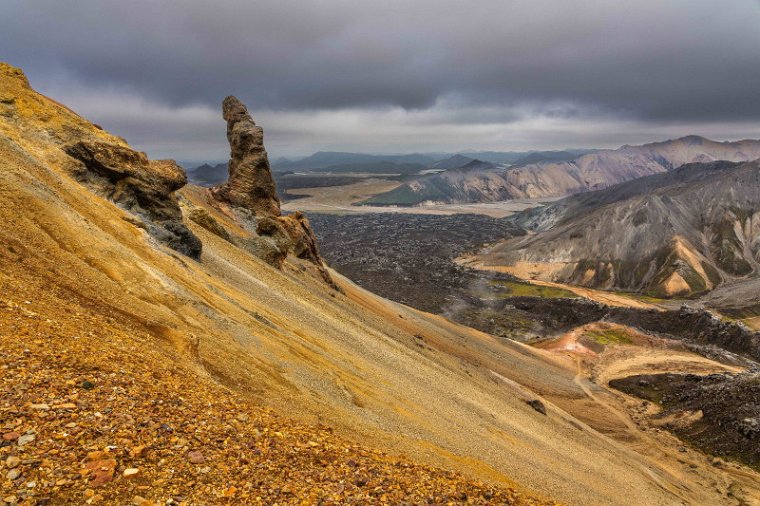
(481, 62)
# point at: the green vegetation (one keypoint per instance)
(695, 281)
(608, 336)
(524, 289)
(742, 215)
(741, 313)
(401, 196)
(641, 297)
(668, 261)
(727, 249)
(712, 274)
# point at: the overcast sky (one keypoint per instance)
(395, 75)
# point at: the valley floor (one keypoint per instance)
(342, 200)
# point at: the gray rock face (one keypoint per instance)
(250, 183)
(141, 186)
(679, 233)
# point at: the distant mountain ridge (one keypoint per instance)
(591, 171)
(677, 233)
(322, 159)
(208, 175)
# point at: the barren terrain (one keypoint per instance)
(343, 200)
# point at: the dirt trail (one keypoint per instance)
(581, 380)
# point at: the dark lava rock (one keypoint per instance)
(537, 405)
(722, 411)
(145, 188)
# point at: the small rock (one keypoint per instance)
(102, 466)
(88, 385)
(196, 457)
(13, 474)
(10, 499)
(41, 407)
(131, 472)
(12, 462)
(66, 405)
(11, 436)
(537, 405)
(26, 439)
(137, 452)
(31, 484)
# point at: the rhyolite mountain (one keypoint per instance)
(558, 178)
(678, 233)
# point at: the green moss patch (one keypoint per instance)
(608, 336)
(522, 289)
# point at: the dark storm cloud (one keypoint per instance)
(396, 75)
(672, 60)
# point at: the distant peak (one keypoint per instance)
(694, 139)
(475, 164)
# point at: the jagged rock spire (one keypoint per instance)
(250, 184)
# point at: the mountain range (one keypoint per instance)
(678, 233)
(337, 161)
(558, 178)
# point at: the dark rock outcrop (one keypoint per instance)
(537, 405)
(719, 413)
(250, 184)
(143, 187)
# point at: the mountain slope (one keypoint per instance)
(159, 336)
(682, 233)
(592, 171)
(472, 182)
